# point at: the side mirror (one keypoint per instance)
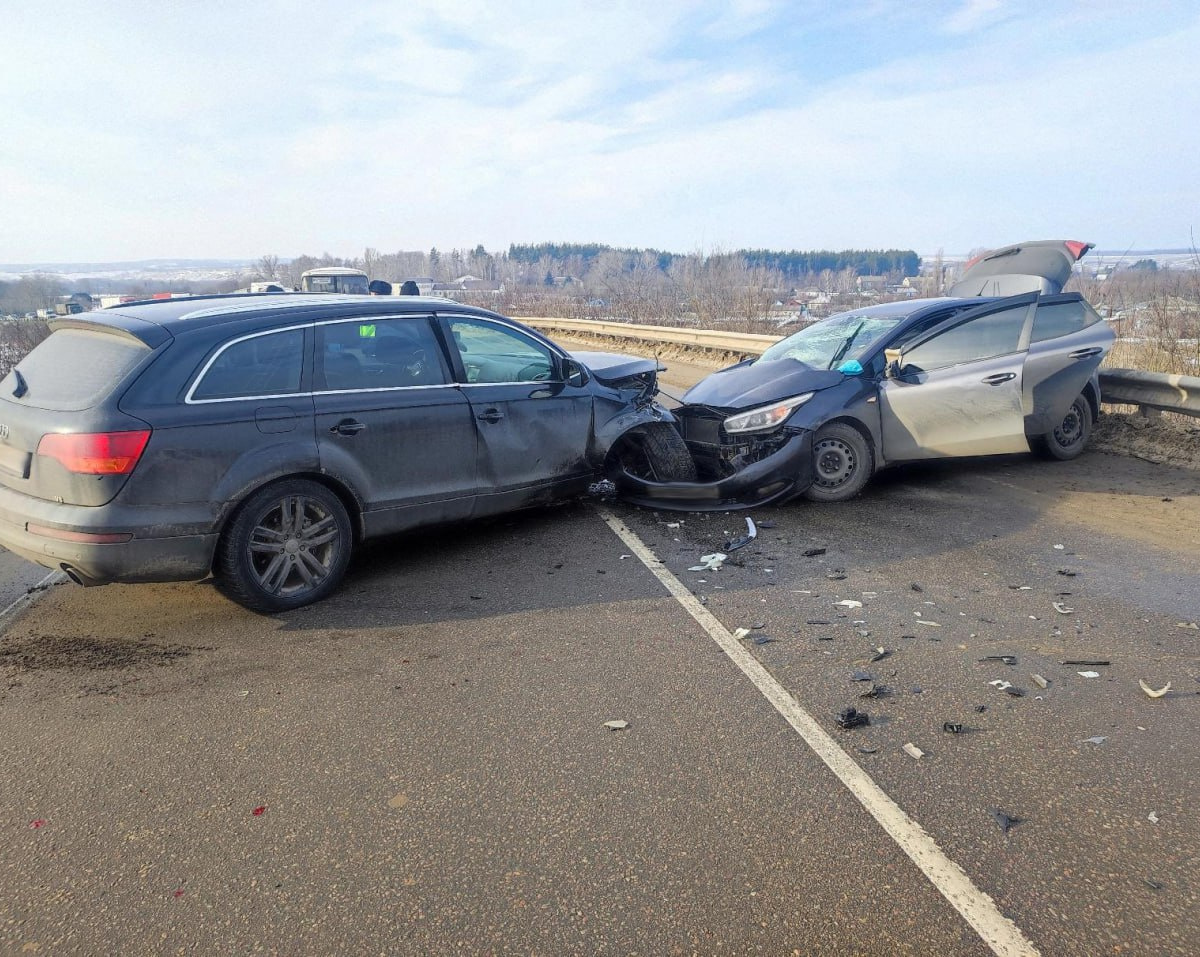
(892, 370)
(574, 373)
(379, 287)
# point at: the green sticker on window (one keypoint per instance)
(366, 332)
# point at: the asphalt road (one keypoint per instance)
(428, 756)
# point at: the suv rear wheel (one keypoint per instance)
(287, 546)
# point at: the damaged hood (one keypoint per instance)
(760, 382)
(612, 367)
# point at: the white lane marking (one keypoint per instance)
(976, 907)
(34, 592)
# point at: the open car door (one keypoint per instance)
(1043, 266)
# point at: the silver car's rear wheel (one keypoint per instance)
(1070, 436)
(287, 546)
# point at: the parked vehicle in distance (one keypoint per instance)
(260, 437)
(1006, 363)
(334, 279)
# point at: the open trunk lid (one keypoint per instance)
(1041, 266)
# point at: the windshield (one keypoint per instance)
(825, 344)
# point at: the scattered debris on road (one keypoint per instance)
(913, 751)
(1062, 608)
(952, 727)
(1006, 821)
(813, 552)
(751, 533)
(1088, 674)
(616, 725)
(1083, 663)
(849, 603)
(1098, 739)
(260, 810)
(849, 718)
(1152, 693)
(1040, 681)
(1152, 817)
(1009, 660)
(709, 563)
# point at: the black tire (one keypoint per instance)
(656, 452)
(843, 463)
(1069, 438)
(287, 546)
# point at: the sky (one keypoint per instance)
(135, 130)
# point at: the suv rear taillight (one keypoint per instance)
(95, 453)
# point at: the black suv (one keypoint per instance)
(259, 437)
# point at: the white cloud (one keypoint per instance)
(450, 125)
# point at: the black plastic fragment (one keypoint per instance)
(816, 621)
(1007, 659)
(980, 708)
(852, 718)
(762, 639)
(1092, 663)
(859, 675)
(915, 587)
(1014, 691)
(876, 691)
(1006, 821)
(813, 552)
(952, 727)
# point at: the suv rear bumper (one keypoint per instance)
(162, 547)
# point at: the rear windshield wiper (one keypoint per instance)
(22, 386)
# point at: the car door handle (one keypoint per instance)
(490, 415)
(1085, 353)
(1000, 377)
(347, 427)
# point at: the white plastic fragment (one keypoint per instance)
(849, 603)
(1060, 547)
(1098, 739)
(1150, 692)
(1000, 684)
(740, 633)
(1062, 609)
(1040, 681)
(709, 563)
(622, 558)
(674, 524)
(616, 725)
(928, 624)
(913, 751)
(1152, 817)
(1088, 674)
(1188, 624)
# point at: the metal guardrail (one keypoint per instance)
(1147, 390)
(1151, 390)
(713, 340)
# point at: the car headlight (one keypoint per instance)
(765, 417)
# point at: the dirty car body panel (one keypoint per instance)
(131, 439)
(965, 375)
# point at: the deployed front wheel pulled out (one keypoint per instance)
(655, 452)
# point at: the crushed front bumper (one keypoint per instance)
(776, 478)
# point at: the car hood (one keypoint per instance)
(752, 384)
(612, 367)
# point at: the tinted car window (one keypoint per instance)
(379, 354)
(493, 353)
(262, 365)
(994, 334)
(75, 368)
(1061, 319)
